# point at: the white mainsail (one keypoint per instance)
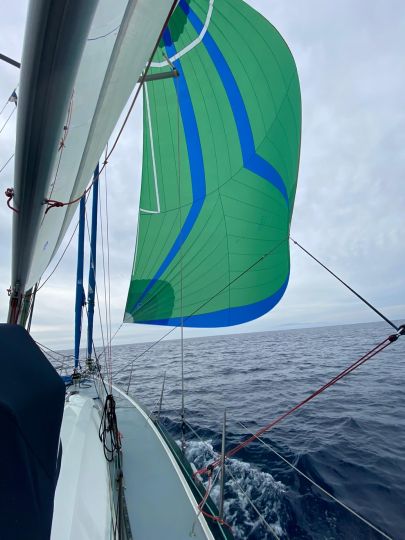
(120, 41)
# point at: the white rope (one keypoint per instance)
(191, 45)
(319, 487)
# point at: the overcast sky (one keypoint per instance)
(350, 204)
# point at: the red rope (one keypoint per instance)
(9, 193)
(207, 492)
(216, 518)
(204, 500)
(370, 354)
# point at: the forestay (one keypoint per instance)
(220, 162)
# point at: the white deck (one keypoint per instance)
(82, 498)
(160, 503)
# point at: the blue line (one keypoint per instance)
(80, 296)
(251, 160)
(92, 264)
(196, 166)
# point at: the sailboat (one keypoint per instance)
(221, 150)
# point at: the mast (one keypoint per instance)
(92, 268)
(80, 297)
(49, 66)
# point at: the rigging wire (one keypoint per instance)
(8, 118)
(97, 360)
(143, 353)
(108, 269)
(263, 257)
(364, 520)
(99, 367)
(108, 358)
(97, 298)
(346, 285)
(60, 258)
(6, 163)
(103, 352)
(5, 105)
(181, 251)
(50, 350)
(370, 354)
(131, 364)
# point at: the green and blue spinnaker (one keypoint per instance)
(220, 163)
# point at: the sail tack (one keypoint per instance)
(220, 162)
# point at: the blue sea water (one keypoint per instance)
(350, 439)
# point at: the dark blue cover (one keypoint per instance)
(32, 398)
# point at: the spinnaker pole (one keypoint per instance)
(80, 296)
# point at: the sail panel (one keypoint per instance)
(221, 152)
(119, 44)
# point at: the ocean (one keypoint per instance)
(350, 439)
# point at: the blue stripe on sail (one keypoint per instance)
(251, 160)
(227, 317)
(196, 162)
